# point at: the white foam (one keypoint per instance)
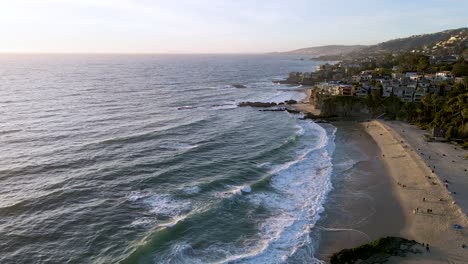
(186, 107)
(191, 190)
(225, 106)
(135, 196)
(346, 165)
(178, 146)
(302, 186)
(281, 96)
(164, 205)
(264, 165)
(246, 189)
(144, 221)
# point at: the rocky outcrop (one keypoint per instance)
(257, 104)
(266, 104)
(378, 251)
(290, 102)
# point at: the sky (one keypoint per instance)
(215, 26)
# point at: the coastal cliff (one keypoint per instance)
(342, 106)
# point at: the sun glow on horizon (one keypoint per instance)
(204, 26)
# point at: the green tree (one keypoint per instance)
(423, 64)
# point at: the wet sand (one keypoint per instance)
(304, 106)
(419, 189)
(388, 194)
(362, 206)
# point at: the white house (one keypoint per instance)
(443, 75)
(409, 74)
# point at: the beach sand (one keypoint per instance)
(369, 200)
(304, 106)
(362, 206)
(407, 168)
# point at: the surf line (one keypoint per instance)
(331, 229)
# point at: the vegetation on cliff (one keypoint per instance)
(376, 252)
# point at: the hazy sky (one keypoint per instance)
(215, 26)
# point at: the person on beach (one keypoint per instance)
(427, 247)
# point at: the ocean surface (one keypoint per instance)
(148, 159)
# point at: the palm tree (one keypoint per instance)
(464, 114)
(435, 101)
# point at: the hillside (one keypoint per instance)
(445, 42)
(329, 50)
(448, 42)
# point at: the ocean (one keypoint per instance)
(148, 159)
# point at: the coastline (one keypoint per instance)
(423, 190)
(362, 208)
(304, 106)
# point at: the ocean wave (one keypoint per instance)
(144, 221)
(166, 206)
(135, 196)
(281, 96)
(224, 106)
(150, 135)
(346, 165)
(177, 146)
(186, 107)
(191, 190)
(296, 205)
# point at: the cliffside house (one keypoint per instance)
(387, 90)
(362, 91)
(418, 94)
(399, 92)
(408, 94)
(409, 74)
(346, 90)
(443, 75)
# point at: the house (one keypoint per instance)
(387, 90)
(418, 94)
(397, 75)
(443, 75)
(408, 94)
(416, 77)
(429, 77)
(346, 90)
(399, 92)
(362, 91)
(409, 74)
(459, 80)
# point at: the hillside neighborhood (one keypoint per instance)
(427, 85)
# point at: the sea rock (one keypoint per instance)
(236, 85)
(257, 104)
(292, 111)
(290, 102)
(377, 252)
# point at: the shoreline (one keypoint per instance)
(419, 189)
(360, 201)
(401, 164)
(304, 106)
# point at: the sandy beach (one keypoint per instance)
(390, 192)
(419, 189)
(305, 106)
(362, 206)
